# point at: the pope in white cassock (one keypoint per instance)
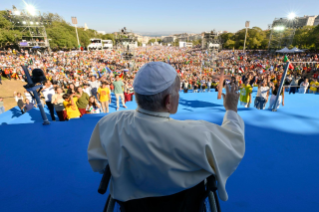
(152, 155)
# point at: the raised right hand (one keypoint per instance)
(231, 98)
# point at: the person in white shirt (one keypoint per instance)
(19, 99)
(87, 89)
(153, 155)
(48, 92)
(93, 106)
(29, 97)
(94, 85)
(304, 86)
(262, 95)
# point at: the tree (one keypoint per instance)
(229, 44)
(303, 37)
(176, 43)
(7, 34)
(197, 42)
(151, 41)
(314, 37)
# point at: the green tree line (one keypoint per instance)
(61, 34)
(305, 38)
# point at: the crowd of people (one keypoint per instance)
(82, 82)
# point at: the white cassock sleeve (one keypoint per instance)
(226, 149)
(96, 154)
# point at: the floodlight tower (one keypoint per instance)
(278, 27)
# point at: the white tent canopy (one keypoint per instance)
(284, 50)
(295, 50)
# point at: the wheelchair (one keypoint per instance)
(208, 200)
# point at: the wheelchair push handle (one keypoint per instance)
(105, 180)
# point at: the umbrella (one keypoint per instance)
(36, 47)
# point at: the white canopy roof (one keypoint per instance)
(295, 50)
(284, 50)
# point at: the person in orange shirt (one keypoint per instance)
(104, 95)
(70, 106)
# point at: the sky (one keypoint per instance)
(171, 16)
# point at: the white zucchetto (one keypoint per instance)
(153, 78)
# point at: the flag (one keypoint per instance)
(286, 58)
(108, 70)
(291, 67)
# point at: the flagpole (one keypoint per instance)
(274, 109)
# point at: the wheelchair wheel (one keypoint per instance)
(111, 205)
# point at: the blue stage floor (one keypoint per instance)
(45, 168)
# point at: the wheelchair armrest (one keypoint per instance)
(211, 183)
(105, 180)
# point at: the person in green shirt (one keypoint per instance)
(118, 91)
(245, 94)
(83, 100)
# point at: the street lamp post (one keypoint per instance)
(75, 22)
(247, 26)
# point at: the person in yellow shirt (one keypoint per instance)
(245, 94)
(70, 106)
(104, 96)
(314, 86)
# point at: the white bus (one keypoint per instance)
(107, 44)
(96, 44)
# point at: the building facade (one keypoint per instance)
(168, 39)
(298, 22)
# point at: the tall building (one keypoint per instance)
(298, 22)
(316, 23)
(195, 37)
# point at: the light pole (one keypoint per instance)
(247, 26)
(75, 22)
